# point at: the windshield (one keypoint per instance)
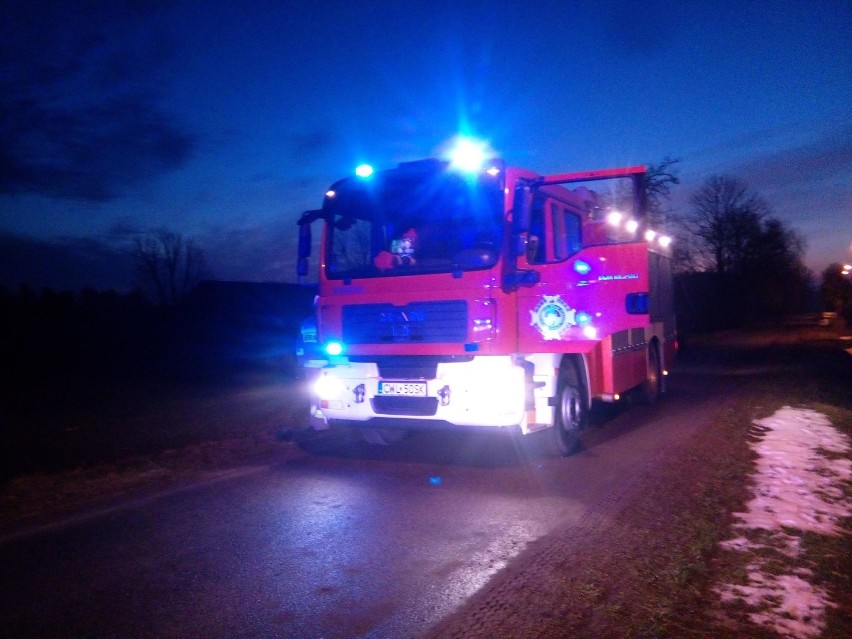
(405, 223)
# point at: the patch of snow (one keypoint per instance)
(797, 486)
(789, 604)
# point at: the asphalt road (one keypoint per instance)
(340, 540)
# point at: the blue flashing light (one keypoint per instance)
(334, 348)
(468, 155)
(583, 318)
(363, 170)
(582, 267)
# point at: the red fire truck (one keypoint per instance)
(455, 294)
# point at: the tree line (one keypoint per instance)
(168, 266)
(735, 262)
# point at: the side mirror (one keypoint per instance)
(521, 218)
(520, 241)
(304, 240)
(302, 266)
(521, 210)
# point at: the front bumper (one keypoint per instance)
(485, 391)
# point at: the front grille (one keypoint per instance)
(409, 366)
(415, 323)
(411, 406)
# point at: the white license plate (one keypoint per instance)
(408, 389)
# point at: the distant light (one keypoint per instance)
(493, 171)
(847, 267)
(582, 267)
(330, 194)
(583, 318)
(363, 170)
(631, 226)
(590, 332)
(334, 348)
(650, 235)
(468, 155)
(664, 240)
(614, 218)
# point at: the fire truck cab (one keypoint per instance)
(486, 297)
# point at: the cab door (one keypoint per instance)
(548, 312)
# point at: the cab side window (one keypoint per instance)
(566, 231)
(554, 232)
(536, 249)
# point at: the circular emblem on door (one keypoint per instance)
(552, 317)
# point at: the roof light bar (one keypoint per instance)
(468, 155)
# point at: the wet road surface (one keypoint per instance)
(341, 539)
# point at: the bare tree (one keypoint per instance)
(168, 266)
(756, 260)
(725, 221)
(659, 181)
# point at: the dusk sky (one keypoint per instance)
(225, 120)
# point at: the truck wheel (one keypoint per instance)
(571, 411)
(653, 385)
(383, 436)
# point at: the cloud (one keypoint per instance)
(810, 172)
(79, 108)
(93, 153)
(807, 186)
(819, 161)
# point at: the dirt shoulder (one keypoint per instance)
(147, 442)
(638, 566)
(645, 564)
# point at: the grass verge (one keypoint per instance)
(669, 571)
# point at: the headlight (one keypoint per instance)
(329, 387)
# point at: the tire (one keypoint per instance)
(571, 411)
(652, 388)
(383, 436)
